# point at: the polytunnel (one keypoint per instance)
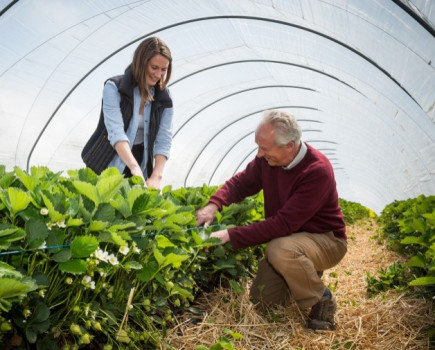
(357, 74)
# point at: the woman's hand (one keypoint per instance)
(136, 170)
(154, 182)
(156, 177)
(124, 152)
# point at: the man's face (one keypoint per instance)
(274, 155)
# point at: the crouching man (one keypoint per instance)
(304, 227)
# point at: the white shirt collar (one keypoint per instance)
(298, 158)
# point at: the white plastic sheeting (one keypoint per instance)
(358, 74)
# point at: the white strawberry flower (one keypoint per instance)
(43, 211)
(101, 255)
(113, 259)
(98, 253)
(105, 256)
(87, 282)
(86, 279)
(124, 250)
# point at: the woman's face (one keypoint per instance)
(156, 69)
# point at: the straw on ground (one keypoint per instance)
(387, 321)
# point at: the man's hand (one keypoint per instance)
(222, 235)
(206, 214)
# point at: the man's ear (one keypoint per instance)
(290, 145)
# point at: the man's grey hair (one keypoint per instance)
(287, 128)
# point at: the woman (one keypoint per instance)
(136, 117)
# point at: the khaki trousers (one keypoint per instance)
(292, 268)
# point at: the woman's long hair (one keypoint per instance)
(146, 50)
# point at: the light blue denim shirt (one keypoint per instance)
(115, 126)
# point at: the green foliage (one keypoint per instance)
(72, 248)
(352, 212)
(13, 286)
(189, 196)
(245, 213)
(10, 233)
(408, 226)
(35, 323)
(412, 217)
(224, 342)
(395, 276)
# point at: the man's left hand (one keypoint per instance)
(222, 235)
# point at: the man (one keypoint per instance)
(304, 227)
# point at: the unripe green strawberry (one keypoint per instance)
(75, 329)
(5, 327)
(86, 338)
(123, 337)
(97, 326)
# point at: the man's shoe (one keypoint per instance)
(321, 316)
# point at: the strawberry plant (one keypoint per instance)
(93, 260)
(409, 228)
(81, 253)
(352, 212)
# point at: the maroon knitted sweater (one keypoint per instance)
(301, 199)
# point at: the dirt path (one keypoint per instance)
(388, 321)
